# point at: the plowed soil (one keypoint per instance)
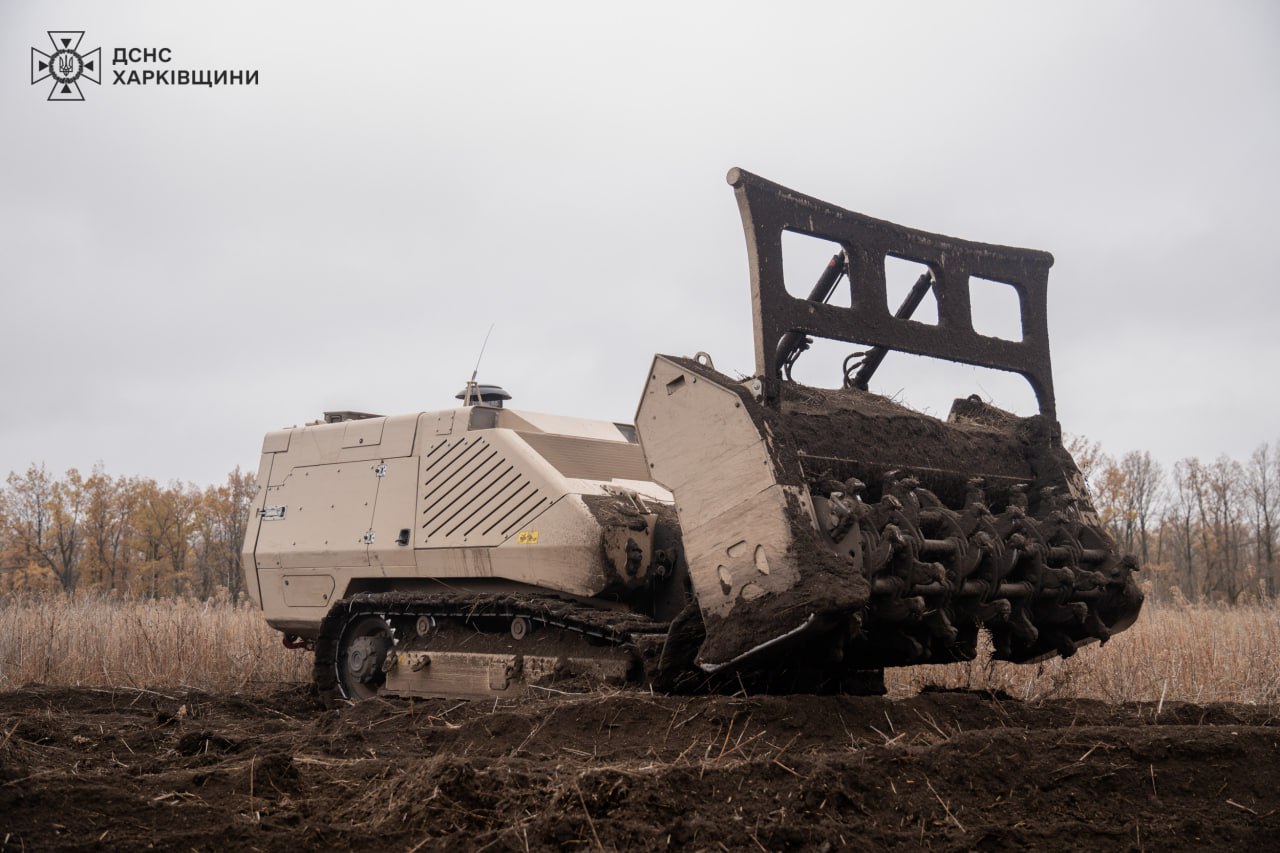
(103, 769)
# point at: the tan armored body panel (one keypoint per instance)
(475, 496)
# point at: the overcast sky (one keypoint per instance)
(185, 268)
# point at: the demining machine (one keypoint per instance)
(744, 533)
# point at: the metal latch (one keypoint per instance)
(367, 538)
(275, 512)
(381, 470)
(501, 671)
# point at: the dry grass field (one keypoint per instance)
(95, 641)
(1187, 653)
(1182, 653)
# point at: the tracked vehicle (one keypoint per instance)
(756, 532)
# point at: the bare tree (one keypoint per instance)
(1088, 456)
(241, 487)
(109, 508)
(1143, 490)
(1220, 528)
(1181, 517)
(1262, 474)
(221, 525)
(174, 510)
(66, 505)
(26, 515)
(164, 531)
(44, 517)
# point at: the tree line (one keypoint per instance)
(1202, 531)
(129, 535)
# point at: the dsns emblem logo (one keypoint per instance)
(66, 65)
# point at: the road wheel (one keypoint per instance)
(362, 651)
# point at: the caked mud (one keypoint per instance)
(127, 769)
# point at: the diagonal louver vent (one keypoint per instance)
(470, 489)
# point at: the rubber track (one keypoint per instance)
(617, 628)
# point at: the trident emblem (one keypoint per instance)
(66, 65)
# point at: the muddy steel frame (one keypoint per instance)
(769, 209)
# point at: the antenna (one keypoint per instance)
(471, 386)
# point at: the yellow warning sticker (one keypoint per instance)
(527, 537)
